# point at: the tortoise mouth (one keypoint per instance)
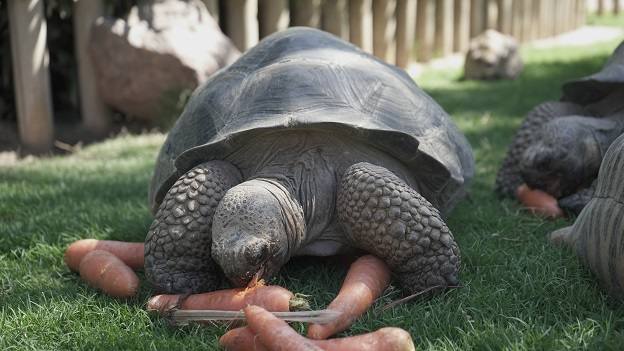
(249, 278)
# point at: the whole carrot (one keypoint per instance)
(273, 298)
(130, 253)
(105, 271)
(275, 334)
(366, 280)
(384, 339)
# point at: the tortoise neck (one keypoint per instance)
(291, 213)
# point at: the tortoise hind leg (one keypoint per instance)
(177, 246)
(383, 215)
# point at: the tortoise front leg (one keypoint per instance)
(383, 215)
(576, 202)
(177, 246)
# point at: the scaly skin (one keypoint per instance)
(177, 246)
(382, 215)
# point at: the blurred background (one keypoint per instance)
(76, 71)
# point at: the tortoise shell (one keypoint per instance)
(304, 78)
(595, 87)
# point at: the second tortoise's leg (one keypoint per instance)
(383, 215)
(177, 246)
(576, 202)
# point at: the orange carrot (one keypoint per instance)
(104, 271)
(273, 298)
(394, 339)
(130, 253)
(241, 339)
(366, 280)
(274, 333)
(538, 202)
(384, 339)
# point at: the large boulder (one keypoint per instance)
(147, 63)
(492, 55)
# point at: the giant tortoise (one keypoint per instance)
(306, 146)
(560, 144)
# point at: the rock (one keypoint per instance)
(492, 55)
(147, 64)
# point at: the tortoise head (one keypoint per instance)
(256, 228)
(566, 155)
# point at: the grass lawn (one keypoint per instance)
(518, 292)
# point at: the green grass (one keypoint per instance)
(608, 19)
(518, 293)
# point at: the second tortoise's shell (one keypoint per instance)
(595, 87)
(304, 78)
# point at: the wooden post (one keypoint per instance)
(335, 18)
(213, 8)
(95, 114)
(505, 14)
(558, 18)
(443, 44)
(534, 21)
(517, 19)
(461, 25)
(361, 24)
(563, 16)
(477, 17)
(491, 14)
(305, 13)
(273, 16)
(582, 12)
(578, 10)
(575, 5)
(544, 19)
(29, 51)
(601, 7)
(242, 22)
(570, 14)
(384, 30)
(406, 28)
(425, 27)
(527, 14)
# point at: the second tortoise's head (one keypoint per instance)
(256, 228)
(567, 154)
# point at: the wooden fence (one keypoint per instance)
(605, 6)
(397, 31)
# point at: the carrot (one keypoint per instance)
(272, 297)
(104, 271)
(130, 253)
(366, 280)
(391, 339)
(241, 339)
(274, 333)
(538, 202)
(384, 339)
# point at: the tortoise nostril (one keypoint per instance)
(257, 254)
